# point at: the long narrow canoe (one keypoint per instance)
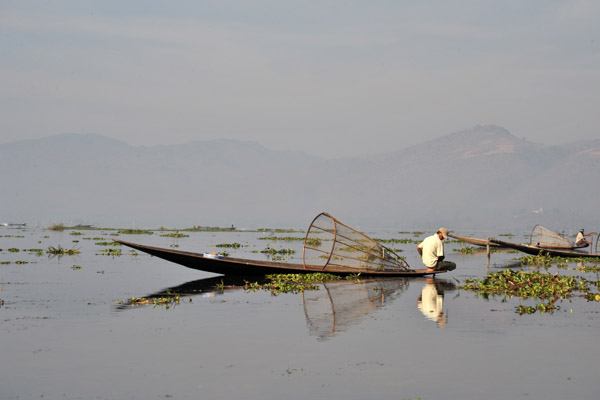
(535, 250)
(495, 243)
(242, 267)
(470, 240)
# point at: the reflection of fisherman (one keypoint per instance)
(432, 251)
(580, 241)
(431, 301)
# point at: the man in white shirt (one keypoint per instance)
(431, 250)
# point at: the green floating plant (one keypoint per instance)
(294, 283)
(533, 285)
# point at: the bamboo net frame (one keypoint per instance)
(544, 237)
(329, 242)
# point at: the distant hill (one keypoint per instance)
(482, 178)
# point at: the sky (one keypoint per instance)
(332, 78)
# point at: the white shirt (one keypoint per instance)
(579, 238)
(432, 248)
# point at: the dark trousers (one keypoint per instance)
(444, 266)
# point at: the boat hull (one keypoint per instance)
(535, 250)
(474, 241)
(240, 266)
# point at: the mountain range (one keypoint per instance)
(479, 179)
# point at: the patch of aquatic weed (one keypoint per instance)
(56, 227)
(539, 286)
(135, 232)
(544, 259)
(167, 301)
(61, 251)
(175, 235)
(294, 283)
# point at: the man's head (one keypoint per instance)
(581, 230)
(443, 232)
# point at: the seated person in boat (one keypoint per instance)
(581, 241)
(432, 251)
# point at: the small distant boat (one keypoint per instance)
(329, 246)
(536, 250)
(11, 225)
(542, 239)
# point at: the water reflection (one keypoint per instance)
(208, 287)
(431, 300)
(338, 305)
(332, 308)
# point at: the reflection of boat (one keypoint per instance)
(207, 286)
(330, 309)
(535, 250)
(474, 241)
(330, 246)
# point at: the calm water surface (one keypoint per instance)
(69, 332)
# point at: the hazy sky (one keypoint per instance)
(332, 78)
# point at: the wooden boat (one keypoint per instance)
(329, 246)
(474, 241)
(541, 237)
(536, 250)
(240, 266)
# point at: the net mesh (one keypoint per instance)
(329, 242)
(544, 237)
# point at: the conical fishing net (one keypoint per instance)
(544, 237)
(329, 242)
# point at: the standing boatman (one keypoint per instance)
(431, 249)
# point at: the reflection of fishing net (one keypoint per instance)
(544, 237)
(329, 242)
(338, 305)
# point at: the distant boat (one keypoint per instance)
(11, 225)
(541, 237)
(536, 250)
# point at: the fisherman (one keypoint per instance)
(432, 251)
(581, 241)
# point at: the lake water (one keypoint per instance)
(68, 332)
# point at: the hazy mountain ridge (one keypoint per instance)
(480, 178)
